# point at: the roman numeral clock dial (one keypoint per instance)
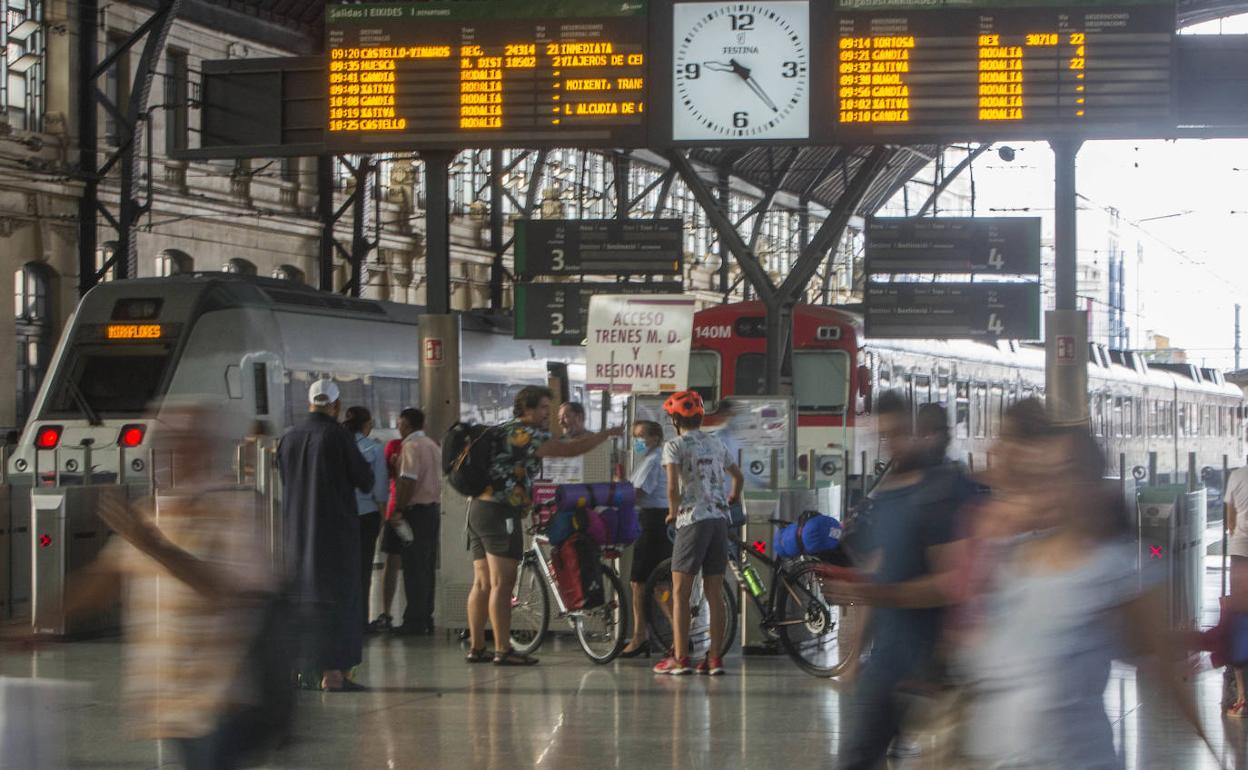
(741, 71)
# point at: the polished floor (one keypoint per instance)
(428, 709)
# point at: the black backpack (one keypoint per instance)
(467, 452)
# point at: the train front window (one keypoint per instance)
(751, 375)
(104, 382)
(704, 375)
(821, 381)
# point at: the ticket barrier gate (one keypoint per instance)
(1171, 542)
(66, 534)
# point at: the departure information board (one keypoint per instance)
(971, 311)
(984, 245)
(599, 246)
(505, 72)
(969, 70)
(559, 312)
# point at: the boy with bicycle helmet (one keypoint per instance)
(697, 465)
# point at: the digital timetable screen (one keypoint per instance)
(503, 72)
(971, 69)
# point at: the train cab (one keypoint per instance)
(728, 358)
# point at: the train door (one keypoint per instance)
(264, 395)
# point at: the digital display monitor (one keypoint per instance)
(974, 69)
(132, 331)
(501, 73)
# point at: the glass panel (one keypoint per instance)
(821, 381)
(704, 375)
(116, 381)
(751, 374)
(962, 411)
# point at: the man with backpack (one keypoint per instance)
(504, 475)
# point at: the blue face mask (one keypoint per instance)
(639, 446)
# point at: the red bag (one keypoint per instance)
(578, 573)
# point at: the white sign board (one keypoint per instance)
(639, 343)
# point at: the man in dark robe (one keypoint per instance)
(321, 468)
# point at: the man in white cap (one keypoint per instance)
(321, 468)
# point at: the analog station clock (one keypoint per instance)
(741, 70)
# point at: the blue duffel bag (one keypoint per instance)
(813, 534)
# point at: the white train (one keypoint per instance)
(252, 346)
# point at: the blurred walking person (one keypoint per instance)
(654, 546)
(1236, 498)
(321, 469)
(417, 498)
(196, 588)
(907, 547)
(369, 505)
(391, 544)
(1064, 604)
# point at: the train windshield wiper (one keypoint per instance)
(84, 406)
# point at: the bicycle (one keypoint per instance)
(793, 609)
(599, 630)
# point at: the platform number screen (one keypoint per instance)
(905, 69)
(498, 73)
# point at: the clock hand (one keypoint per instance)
(718, 66)
(744, 73)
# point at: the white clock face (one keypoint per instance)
(741, 70)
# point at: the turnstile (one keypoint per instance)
(1171, 542)
(66, 534)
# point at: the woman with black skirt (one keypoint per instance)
(654, 545)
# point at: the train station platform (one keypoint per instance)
(427, 708)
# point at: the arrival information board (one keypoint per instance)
(599, 246)
(908, 70)
(559, 312)
(985, 245)
(504, 72)
(953, 311)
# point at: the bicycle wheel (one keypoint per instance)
(530, 609)
(658, 613)
(809, 625)
(600, 631)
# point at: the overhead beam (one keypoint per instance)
(718, 220)
(953, 174)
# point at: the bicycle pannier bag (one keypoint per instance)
(467, 452)
(814, 534)
(578, 573)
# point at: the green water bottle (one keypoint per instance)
(753, 583)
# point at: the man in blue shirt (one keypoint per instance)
(905, 543)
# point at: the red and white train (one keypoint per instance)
(1142, 413)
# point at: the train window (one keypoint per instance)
(751, 375)
(392, 395)
(260, 378)
(112, 381)
(704, 375)
(821, 381)
(922, 389)
(981, 411)
(1117, 417)
(995, 410)
(1128, 417)
(962, 410)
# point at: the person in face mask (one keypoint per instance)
(650, 481)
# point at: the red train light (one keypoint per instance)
(48, 437)
(131, 435)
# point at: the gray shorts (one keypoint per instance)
(701, 546)
(487, 530)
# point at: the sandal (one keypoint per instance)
(477, 656)
(513, 658)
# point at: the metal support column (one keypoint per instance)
(437, 231)
(497, 247)
(1066, 328)
(723, 191)
(88, 142)
(621, 166)
(361, 220)
(325, 215)
(439, 371)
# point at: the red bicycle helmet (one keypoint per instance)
(686, 403)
